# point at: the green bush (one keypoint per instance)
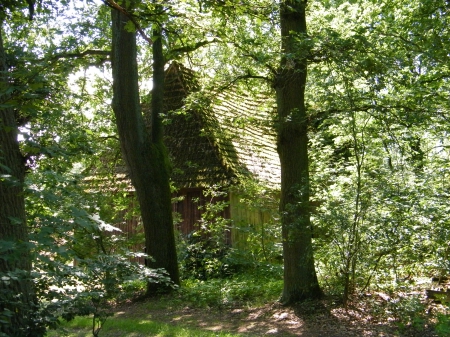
(443, 325)
(204, 253)
(203, 258)
(93, 286)
(255, 287)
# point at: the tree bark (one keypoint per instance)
(17, 297)
(300, 279)
(143, 149)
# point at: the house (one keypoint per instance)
(226, 139)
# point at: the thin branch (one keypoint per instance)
(109, 137)
(319, 116)
(87, 52)
(405, 40)
(244, 77)
(114, 5)
(255, 58)
(322, 114)
(440, 77)
(191, 48)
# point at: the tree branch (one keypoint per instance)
(116, 6)
(244, 77)
(255, 58)
(87, 52)
(109, 137)
(191, 48)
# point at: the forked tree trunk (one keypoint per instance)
(17, 297)
(143, 151)
(300, 280)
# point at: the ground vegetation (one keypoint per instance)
(364, 150)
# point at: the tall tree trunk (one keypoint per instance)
(17, 297)
(300, 280)
(143, 151)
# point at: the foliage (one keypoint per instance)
(261, 242)
(205, 253)
(104, 281)
(203, 259)
(91, 287)
(253, 287)
(81, 267)
(378, 114)
(380, 211)
(443, 317)
(443, 325)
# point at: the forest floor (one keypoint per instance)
(369, 316)
(197, 311)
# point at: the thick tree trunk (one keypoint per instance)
(142, 150)
(17, 298)
(300, 280)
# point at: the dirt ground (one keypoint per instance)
(312, 319)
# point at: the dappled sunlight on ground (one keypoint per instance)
(268, 320)
(308, 319)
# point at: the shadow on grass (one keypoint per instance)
(307, 319)
(128, 327)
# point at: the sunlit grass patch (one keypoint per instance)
(129, 327)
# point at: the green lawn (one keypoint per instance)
(149, 318)
(128, 327)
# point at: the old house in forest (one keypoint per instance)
(221, 140)
(225, 140)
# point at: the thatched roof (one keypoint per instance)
(226, 137)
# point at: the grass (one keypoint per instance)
(242, 289)
(129, 327)
(244, 305)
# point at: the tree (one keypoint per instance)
(255, 41)
(379, 133)
(142, 147)
(17, 295)
(300, 279)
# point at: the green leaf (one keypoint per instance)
(130, 27)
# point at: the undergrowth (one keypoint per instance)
(258, 287)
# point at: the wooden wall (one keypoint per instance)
(130, 227)
(188, 208)
(244, 216)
